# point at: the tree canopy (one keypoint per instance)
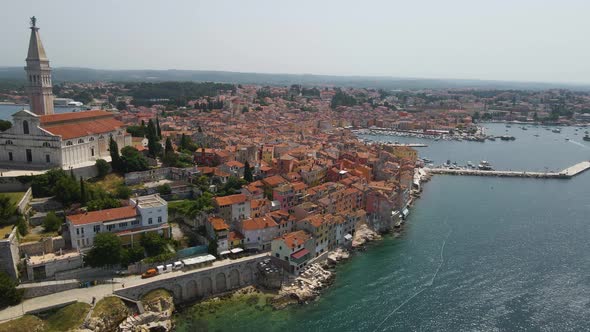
(9, 294)
(107, 251)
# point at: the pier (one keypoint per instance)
(567, 173)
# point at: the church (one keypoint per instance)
(40, 139)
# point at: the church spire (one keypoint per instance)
(36, 50)
(38, 74)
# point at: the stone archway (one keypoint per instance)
(220, 282)
(206, 286)
(176, 291)
(234, 279)
(247, 275)
(191, 290)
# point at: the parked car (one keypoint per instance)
(178, 265)
(149, 273)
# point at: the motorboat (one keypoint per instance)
(484, 166)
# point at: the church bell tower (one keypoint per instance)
(38, 74)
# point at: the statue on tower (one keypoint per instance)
(33, 22)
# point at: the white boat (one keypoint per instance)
(484, 166)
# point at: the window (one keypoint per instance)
(123, 225)
(277, 255)
(82, 230)
(100, 137)
(159, 219)
(69, 143)
(110, 227)
(77, 231)
(26, 127)
(150, 221)
(96, 228)
(135, 222)
(92, 152)
(29, 155)
(47, 158)
(46, 145)
(80, 141)
(10, 156)
(91, 139)
(8, 142)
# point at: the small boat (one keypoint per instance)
(484, 166)
(524, 128)
(508, 126)
(470, 164)
(567, 138)
(536, 135)
(586, 138)
(491, 138)
(556, 130)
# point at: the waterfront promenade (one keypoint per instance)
(567, 173)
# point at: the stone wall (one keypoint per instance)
(46, 245)
(9, 254)
(48, 287)
(24, 202)
(200, 283)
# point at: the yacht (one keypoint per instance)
(586, 138)
(484, 166)
(556, 130)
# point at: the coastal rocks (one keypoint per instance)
(306, 287)
(336, 256)
(364, 234)
(158, 307)
(107, 314)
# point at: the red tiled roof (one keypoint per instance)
(72, 116)
(258, 223)
(233, 236)
(300, 253)
(84, 128)
(230, 200)
(296, 238)
(218, 224)
(103, 215)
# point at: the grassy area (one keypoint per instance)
(112, 309)
(15, 197)
(4, 230)
(67, 318)
(37, 237)
(27, 323)
(110, 182)
(155, 294)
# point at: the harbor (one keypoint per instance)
(567, 173)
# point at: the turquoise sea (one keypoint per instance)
(477, 253)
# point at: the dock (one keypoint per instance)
(567, 173)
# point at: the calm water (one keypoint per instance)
(478, 254)
(6, 111)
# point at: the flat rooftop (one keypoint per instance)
(149, 201)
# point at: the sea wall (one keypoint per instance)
(48, 287)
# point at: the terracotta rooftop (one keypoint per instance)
(258, 223)
(296, 238)
(218, 224)
(103, 215)
(73, 116)
(84, 128)
(230, 200)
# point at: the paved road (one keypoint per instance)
(100, 291)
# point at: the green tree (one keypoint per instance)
(107, 251)
(102, 167)
(67, 191)
(132, 160)
(83, 196)
(115, 157)
(158, 130)
(9, 294)
(212, 248)
(170, 156)
(121, 105)
(153, 243)
(164, 189)
(123, 192)
(22, 226)
(153, 141)
(132, 255)
(52, 222)
(7, 208)
(5, 125)
(248, 172)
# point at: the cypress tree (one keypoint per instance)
(152, 136)
(159, 131)
(248, 172)
(82, 191)
(114, 151)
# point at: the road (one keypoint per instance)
(100, 291)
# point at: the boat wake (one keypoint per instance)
(426, 286)
(579, 144)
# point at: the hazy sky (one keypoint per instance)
(528, 40)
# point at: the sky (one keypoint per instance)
(516, 40)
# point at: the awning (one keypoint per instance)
(199, 259)
(300, 253)
(225, 252)
(236, 250)
(348, 237)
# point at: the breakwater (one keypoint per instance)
(567, 173)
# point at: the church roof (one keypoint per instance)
(36, 50)
(51, 118)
